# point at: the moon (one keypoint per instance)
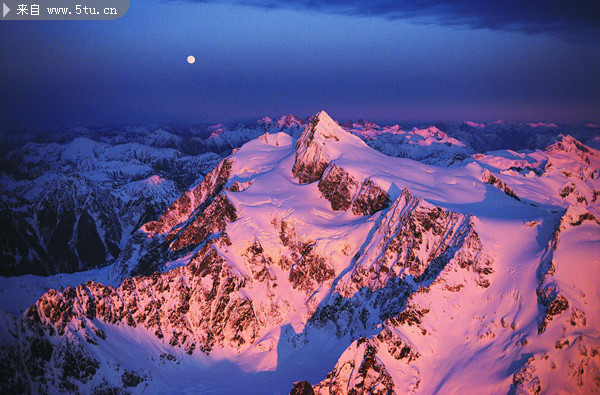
(191, 59)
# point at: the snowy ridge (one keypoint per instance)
(442, 339)
(401, 275)
(429, 145)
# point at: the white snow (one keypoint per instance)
(472, 338)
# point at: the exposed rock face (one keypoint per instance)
(574, 167)
(213, 220)
(302, 388)
(365, 365)
(240, 186)
(576, 217)
(341, 189)
(525, 381)
(370, 199)
(570, 191)
(491, 179)
(307, 269)
(555, 304)
(312, 154)
(197, 215)
(194, 307)
(415, 239)
(310, 271)
(568, 144)
(548, 297)
(359, 371)
(338, 187)
(189, 201)
(145, 255)
(413, 243)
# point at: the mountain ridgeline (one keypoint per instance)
(309, 261)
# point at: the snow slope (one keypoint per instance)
(320, 259)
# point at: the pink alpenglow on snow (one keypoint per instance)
(331, 259)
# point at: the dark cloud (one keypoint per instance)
(578, 19)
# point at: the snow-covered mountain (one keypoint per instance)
(70, 207)
(428, 145)
(71, 197)
(498, 135)
(80, 189)
(313, 261)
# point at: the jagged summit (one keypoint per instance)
(265, 121)
(569, 144)
(322, 141)
(289, 121)
(323, 127)
(577, 162)
(361, 124)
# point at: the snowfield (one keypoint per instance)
(316, 257)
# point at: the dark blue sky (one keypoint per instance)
(475, 60)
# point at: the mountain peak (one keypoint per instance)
(323, 115)
(568, 144)
(313, 151)
(324, 123)
(323, 127)
(288, 121)
(265, 121)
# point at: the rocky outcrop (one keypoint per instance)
(307, 269)
(412, 244)
(316, 147)
(551, 302)
(302, 388)
(554, 303)
(197, 215)
(212, 220)
(342, 191)
(414, 239)
(144, 255)
(311, 156)
(359, 370)
(491, 179)
(370, 199)
(365, 365)
(310, 271)
(194, 307)
(191, 200)
(338, 187)
(525, 381)
(569, 145)
(584, 160)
